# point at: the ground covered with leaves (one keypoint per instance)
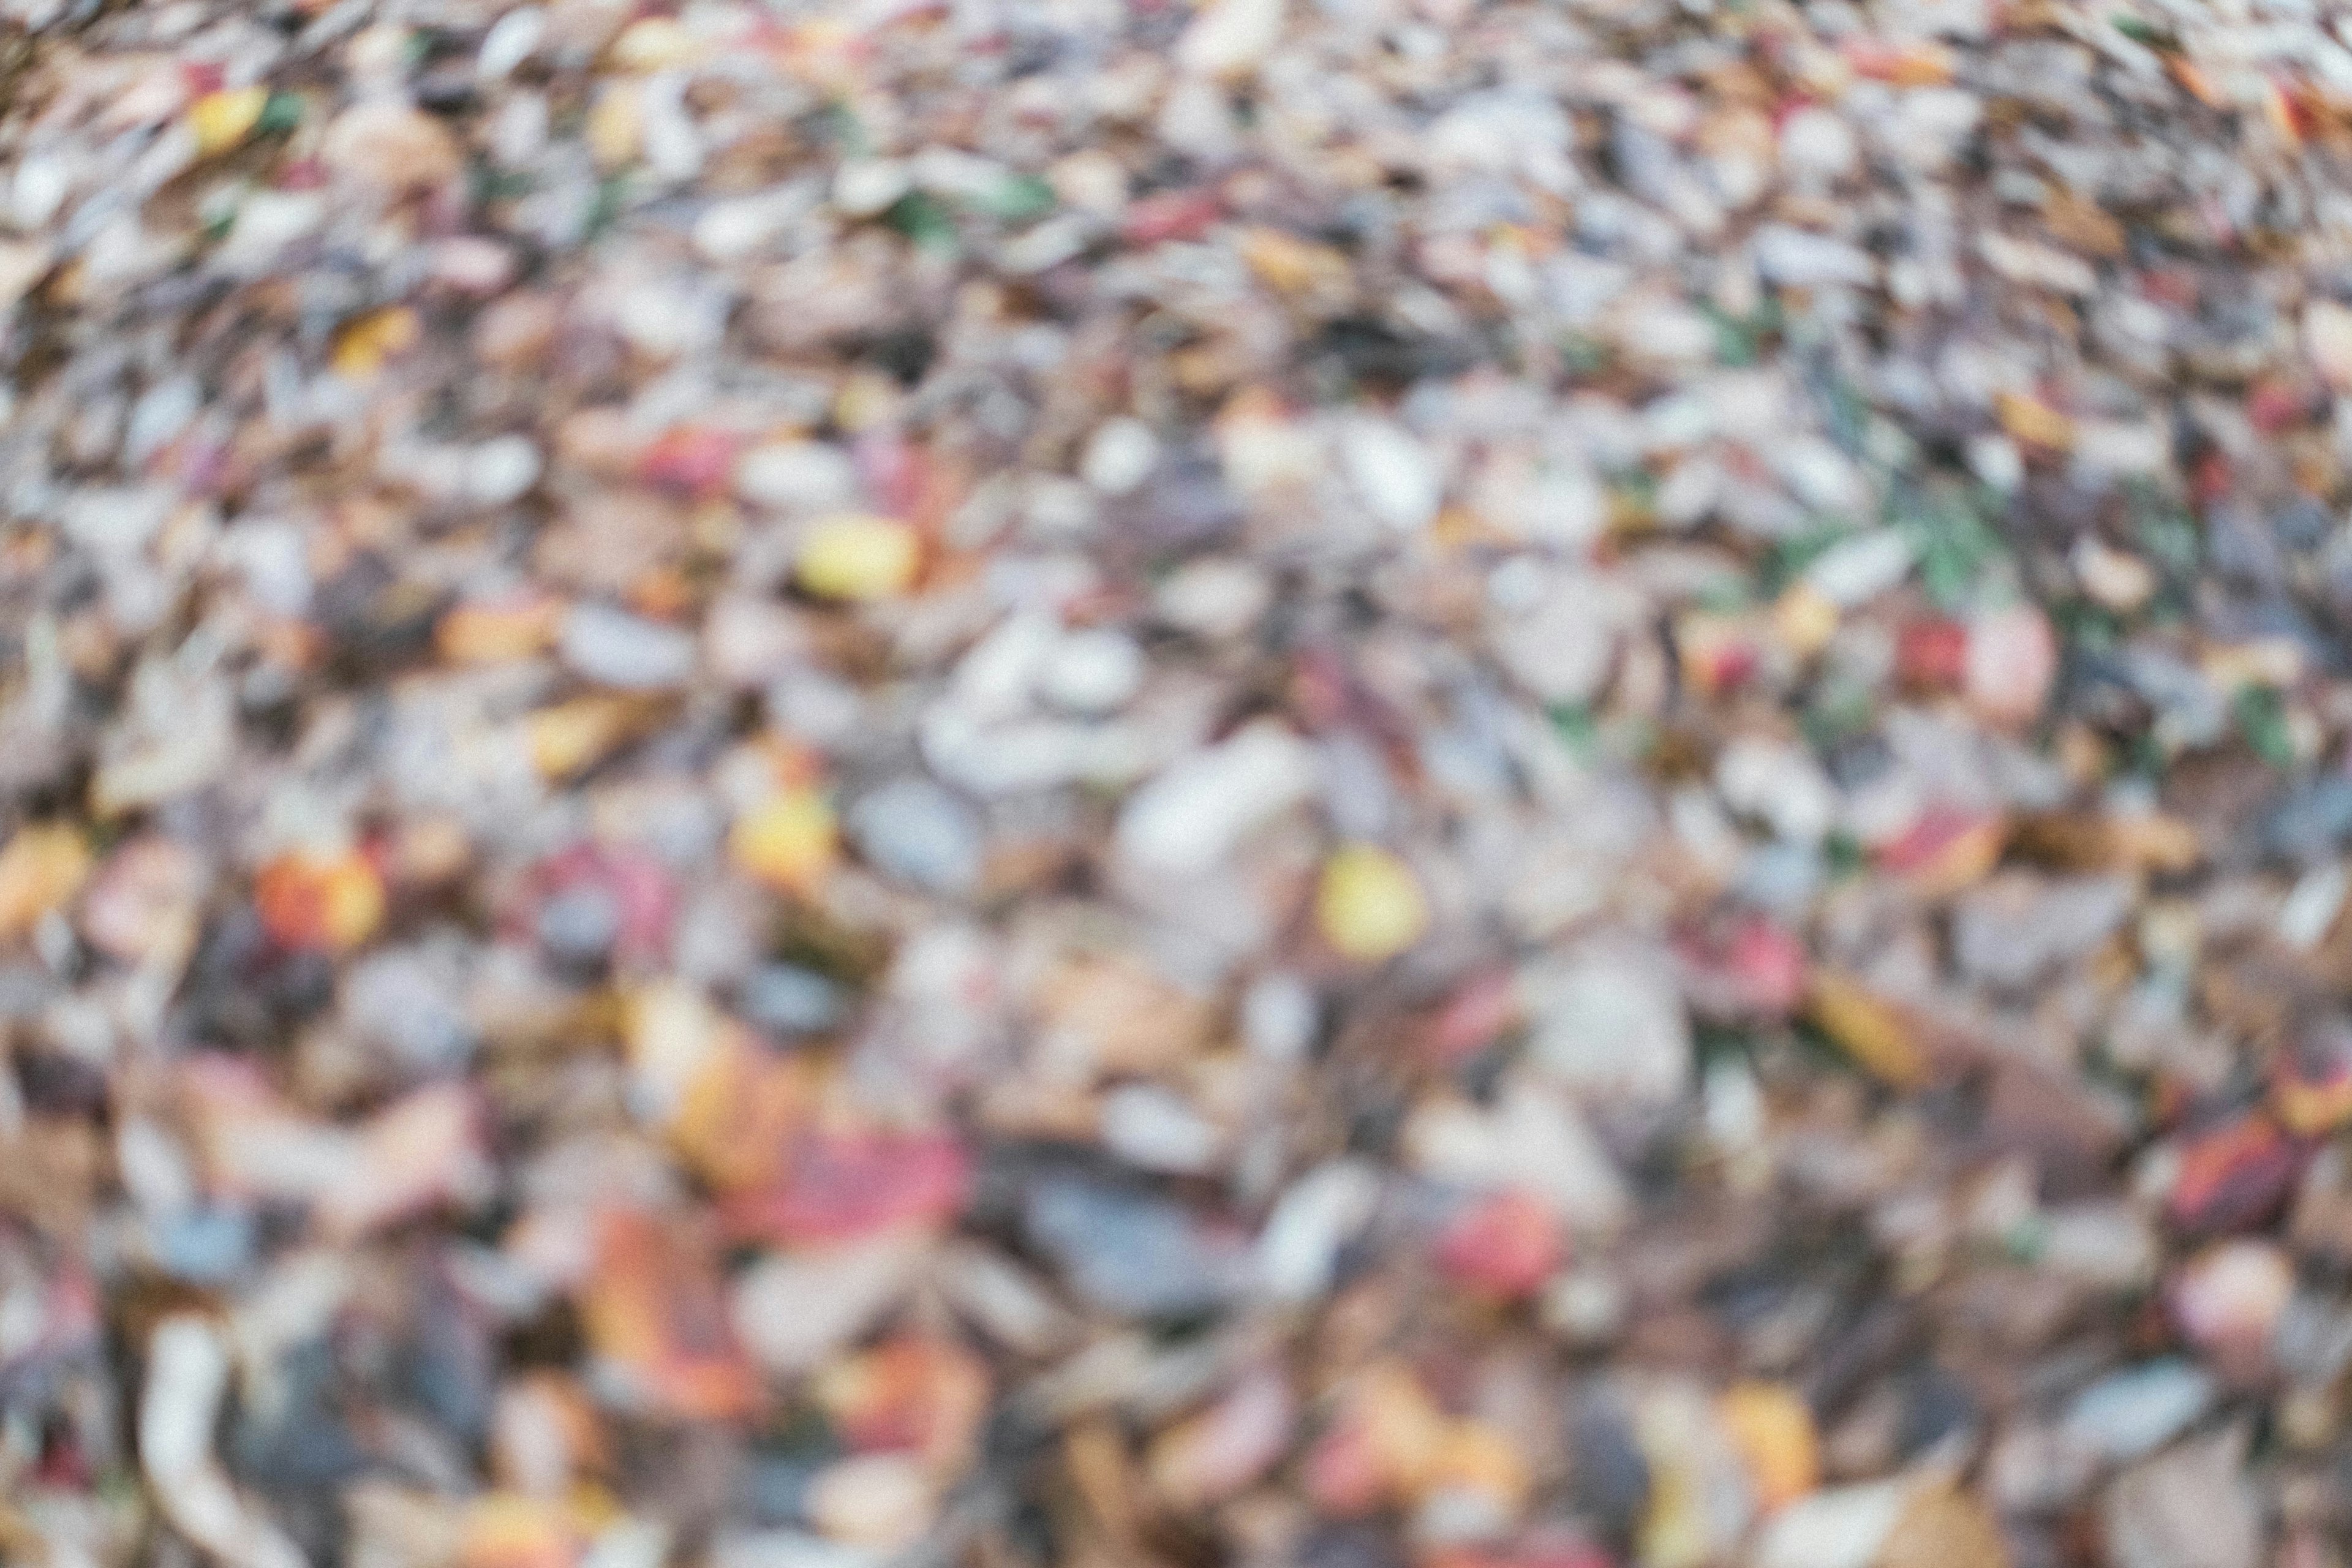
(1053, 784)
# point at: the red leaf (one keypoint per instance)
(2234, 1177)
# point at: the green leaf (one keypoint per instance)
(2261, 719)
(217, 211)
(282, 112)
(2161, 39)
(1630, 739)
(1956, 546)
(1840, 711)
(1734, 345)
(2167, 531)
(2024, 1239)
(1017, 198)
(1843, 854)
(1635, 490)
(839, 124)
(612, 194)
(924, 219)
(1713, 1043)
(489, 185)
(1790, 556)
(1845, 412)
(1726, 596)
(2083, 625)
(1573, 724)
(1581, 355)
(800, 1429)
(1739, 340)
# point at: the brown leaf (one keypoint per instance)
(1116, 1015)
(48, 1173)
(1945, 1527)
(2081, 841)
(1094, 1458)
(2070, 1129)
(2081, 225)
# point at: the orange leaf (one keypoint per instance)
(307, 901)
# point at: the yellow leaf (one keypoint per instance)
(1407, 1431)
(573, 736)
(1476, 1459)
(740, 1112)
(616, 126)
(1963, 861)
(222, 120)
(858, 558)
(367, 340)
(2035, 422)
(507, 1529)
(655, 43)
(1288, 265)
(787, 841)
(40, 870)
(1806, 619)
(1867, 1028)
(1773, 1430)
(1369, 907)
(2312, 1110)
(672, 1035)
(498, 633)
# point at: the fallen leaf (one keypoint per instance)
(1873, 1032)
(40, 870)
(2035, 422)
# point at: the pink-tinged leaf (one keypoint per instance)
(844, 1186)
(691, 461)
(1504, 1245)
